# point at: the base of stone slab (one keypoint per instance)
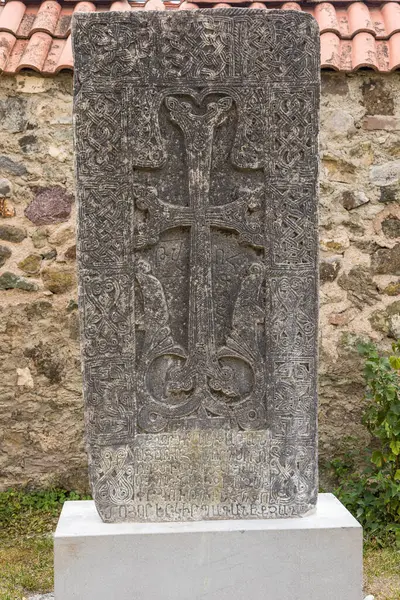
(318, 557)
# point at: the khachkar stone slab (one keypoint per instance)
(196, 161)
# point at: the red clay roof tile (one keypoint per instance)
(121, 5)
(326, 17)
(354, 35)
(394, 52)
(257, 5)
(187, 6)
(27, 21)
(36, 51)
(65, 61)
(390, 17)
(47, 17)
(330, 51)
(359, 18)
(7, 43)
(11, 16)
(15, 56)
(154, 5)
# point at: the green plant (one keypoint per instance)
(25, 512)
(372, 494)
(382, 416)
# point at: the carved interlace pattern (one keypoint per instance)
(196, 142)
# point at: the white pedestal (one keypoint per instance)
(318, 557)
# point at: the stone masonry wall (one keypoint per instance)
(41, 416)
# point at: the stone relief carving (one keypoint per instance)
(196, 143)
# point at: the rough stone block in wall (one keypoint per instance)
(41, 419)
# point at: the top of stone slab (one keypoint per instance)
(130, 44)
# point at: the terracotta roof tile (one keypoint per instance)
(47, 17)
(54, 57)
(187, 6)
(359, 18)
(394, 52)
(85, 7)
(27, 21)
(15, 56)
(63, 27)
(390, 15)
(11, 16)
(121, 5)
(354, 35)
(36, 51)
(7, 43)
(327, 17)
(291, 6)
(154, 5)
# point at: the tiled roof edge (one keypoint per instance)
(354, 35)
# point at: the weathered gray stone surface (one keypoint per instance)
(196, 143)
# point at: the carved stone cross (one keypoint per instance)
(202, 373)
(196, 141)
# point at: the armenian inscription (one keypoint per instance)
(196, 164)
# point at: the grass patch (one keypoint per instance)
(27, 522)
(26, 513)
(26, 567)
(382, 573)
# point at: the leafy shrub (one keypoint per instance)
(373, 495)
